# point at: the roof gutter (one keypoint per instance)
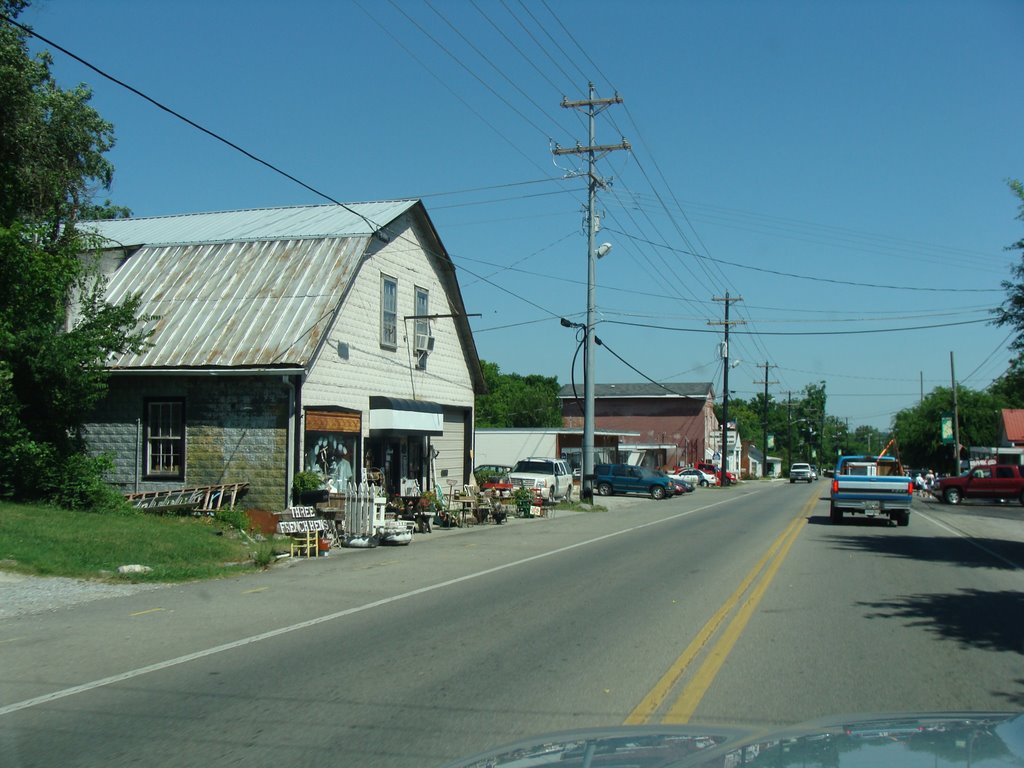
(211, 372)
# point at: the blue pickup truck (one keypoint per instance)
(872, 486)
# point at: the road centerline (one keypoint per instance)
(764, 568)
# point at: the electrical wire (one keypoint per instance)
(819, 279)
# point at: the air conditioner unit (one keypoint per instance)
(424, 343)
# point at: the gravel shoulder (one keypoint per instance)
(22, 595)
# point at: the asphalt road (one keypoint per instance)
(740, 605)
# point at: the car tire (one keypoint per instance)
(835, 514)
(952, 496)
(791, 480)
(704, 483)
(568, 493)
(657, 492)
(1022, 498)
(604, 489)
(903, 519)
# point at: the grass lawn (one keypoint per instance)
(49, 541)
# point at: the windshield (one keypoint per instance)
(276, 278)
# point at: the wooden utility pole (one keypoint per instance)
(764, 419)
(725, 379)
(593, 152)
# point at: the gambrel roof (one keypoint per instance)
(252, 289)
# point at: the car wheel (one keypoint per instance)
(835, 514)
(604, 489)
(952, 496)
(568, 493)
(657, 492)
(791, 480)
(903, 519)
(704, 483)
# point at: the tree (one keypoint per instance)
(1011, 311)
(517, 401)
(919, 428)
(56, 329)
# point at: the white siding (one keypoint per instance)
(507, 446)
(373, 370)
(451, 450)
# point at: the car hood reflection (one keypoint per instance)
(960, 739)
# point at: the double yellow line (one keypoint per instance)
(683, 708)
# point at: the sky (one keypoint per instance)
(837, 168)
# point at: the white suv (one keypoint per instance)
(800, 471)
(552, 477)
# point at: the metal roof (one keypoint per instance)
(251, 304)
(293, 222)
(1013, 424)
(699, 389)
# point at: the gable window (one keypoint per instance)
(165, 439)
(422, 328)
(388, 312)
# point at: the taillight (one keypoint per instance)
(835, 486)
(910, 488)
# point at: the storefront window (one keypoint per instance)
(333, 455)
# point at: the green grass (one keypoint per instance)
(49, 541)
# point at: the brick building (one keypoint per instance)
(671, 423)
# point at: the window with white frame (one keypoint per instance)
(423, 341)
(388, 312)
(165, 439)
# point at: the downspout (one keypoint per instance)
(291, 447)
(138, 452)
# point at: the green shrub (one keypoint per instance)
(306, 481)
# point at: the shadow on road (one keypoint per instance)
(971, 617)
(1016, 699)
(969, 553)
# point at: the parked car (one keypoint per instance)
(696, 477)
(627, 478)
(493, 477)
(679, 485)
(550, 478)
(714, 469)
(990, 481)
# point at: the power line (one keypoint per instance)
(197, 126)
(813, 278)
(801, 333)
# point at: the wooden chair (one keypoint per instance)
(305, 544)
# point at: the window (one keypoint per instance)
(422, 328)
(388, 312)
(165, 439)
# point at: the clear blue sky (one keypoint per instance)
(786, 144)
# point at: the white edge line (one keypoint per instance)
(969, 539)
(86, 687)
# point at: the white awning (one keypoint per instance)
(396, 416)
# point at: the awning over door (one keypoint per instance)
(395, 416)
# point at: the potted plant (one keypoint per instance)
(306, 483)
(523, 498)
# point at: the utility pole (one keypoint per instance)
(764, 419)
(593, 152)
(789, 429)
(956, 418)
(725, 380)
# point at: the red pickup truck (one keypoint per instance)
(990, 481)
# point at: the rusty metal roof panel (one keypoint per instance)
(293, 222)
(236, 304)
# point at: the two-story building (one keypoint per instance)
(330, 338)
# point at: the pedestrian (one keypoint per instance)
(929, 481)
